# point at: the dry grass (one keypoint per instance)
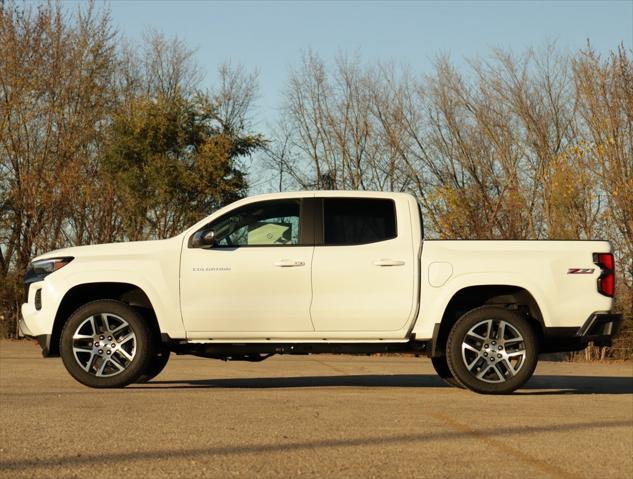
(622, 348)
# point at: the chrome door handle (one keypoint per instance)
(389, 262)
(288, 263)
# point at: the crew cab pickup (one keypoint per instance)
(320, 272)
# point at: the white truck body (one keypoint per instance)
(395, 290)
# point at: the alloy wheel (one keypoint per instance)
(493, 351)
(104, 345)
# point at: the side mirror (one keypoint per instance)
(203, 239)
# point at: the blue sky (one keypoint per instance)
(272, 36)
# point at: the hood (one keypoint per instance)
(132, 248)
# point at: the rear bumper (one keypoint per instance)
(599, 329)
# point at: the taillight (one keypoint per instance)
(606, 281)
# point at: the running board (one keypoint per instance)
(235, 350)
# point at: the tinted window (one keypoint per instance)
(357, 221)
(271, 223)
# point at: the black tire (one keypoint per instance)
(500, 372)
(113, 345)
(156, 366)
(441, 368)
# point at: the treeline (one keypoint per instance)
(104, 141)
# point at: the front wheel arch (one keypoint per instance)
(106, 333)
(82, 294)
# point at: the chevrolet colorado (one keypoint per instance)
(317, 272)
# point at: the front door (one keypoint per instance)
(255, 278)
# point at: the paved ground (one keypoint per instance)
(312, 416)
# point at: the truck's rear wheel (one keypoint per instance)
(492, 350)
(106, 344)
(441, 368)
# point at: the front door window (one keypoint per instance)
(273, 223)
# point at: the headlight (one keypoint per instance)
(38, 270)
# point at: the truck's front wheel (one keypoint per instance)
(492, 350)
(106, 344)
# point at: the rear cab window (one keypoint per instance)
(357, 221)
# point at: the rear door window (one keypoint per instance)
(355, 221)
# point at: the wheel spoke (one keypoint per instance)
(90, 362)
(82, 349)
(125, 338)
(96, 321)
(104, 320)
(124, 353)
(475, 335)
(116, 363)
(509, 366)
(119, 327)
(501, 331)
(102, 367)
(470, 348)
(91, 321)
(82, 336)
(498, 372)
(488, 328)
(471, 365)
(483, 372)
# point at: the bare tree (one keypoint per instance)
(605, 105)
(55, 78)
(234, 96)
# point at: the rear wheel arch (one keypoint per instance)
(492, 350)
(472, 297)
(81, 294)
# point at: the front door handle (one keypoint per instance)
(389, 262)
(288, 263)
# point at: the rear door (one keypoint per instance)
(363, 266)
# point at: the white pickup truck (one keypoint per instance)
(320, 272)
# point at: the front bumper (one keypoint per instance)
(599, 329)
(44, 340)
(38, 323)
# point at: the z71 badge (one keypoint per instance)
(580, 270)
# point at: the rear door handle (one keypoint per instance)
(389, 262)
(288, 263)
